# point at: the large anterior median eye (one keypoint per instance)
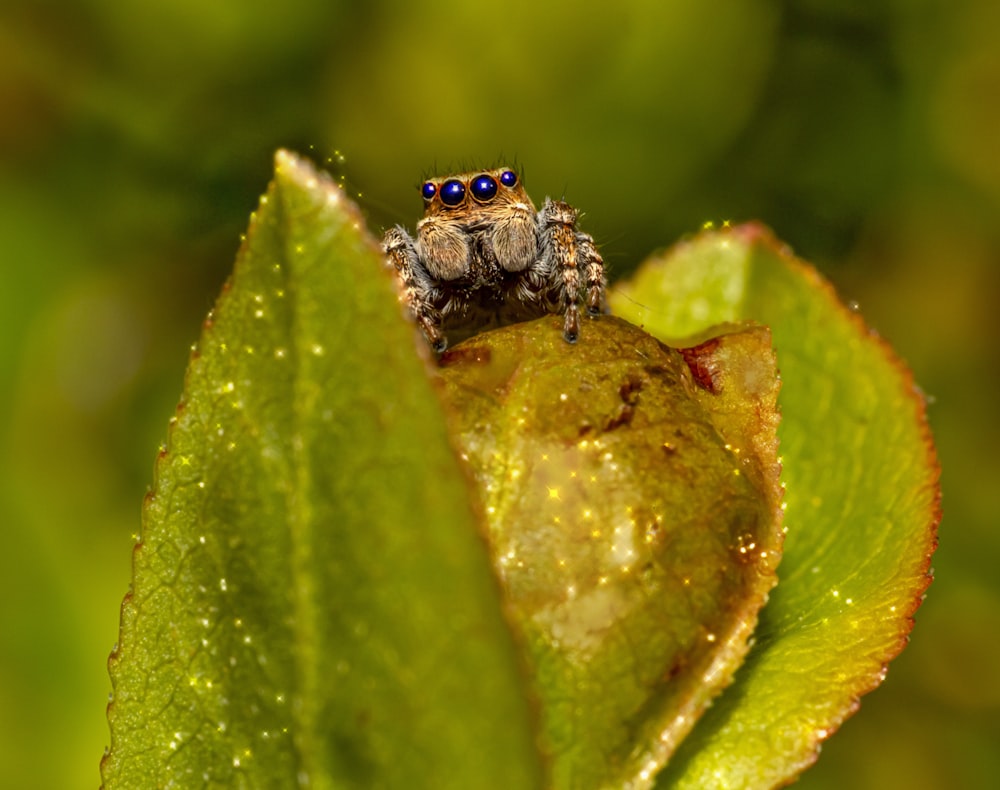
(452, 192)
(428, 190)
(484, 188)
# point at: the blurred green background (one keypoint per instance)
(135, 139)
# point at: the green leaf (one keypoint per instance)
(312, 600)
(634, 514)
(862, 504)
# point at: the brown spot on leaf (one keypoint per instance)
(629, 394)
(630, 389)
(466, 354)
(623, 417)
(702, 364)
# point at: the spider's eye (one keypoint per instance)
(484, 188)
(508, 178)
(452, 192)
(428, 190)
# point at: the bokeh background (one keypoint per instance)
(135, 139)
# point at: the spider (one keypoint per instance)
(484, 257)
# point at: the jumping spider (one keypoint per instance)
(483, 257)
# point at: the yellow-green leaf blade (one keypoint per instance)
(633, 504)
(862, 504)
(312, 602)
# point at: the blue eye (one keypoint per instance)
(508, 178)
(484, 188)
(428, 190)
(452, 192)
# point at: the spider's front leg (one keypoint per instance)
(416, 283)
(592, 263)
(574, 261)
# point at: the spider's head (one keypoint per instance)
(470, 193)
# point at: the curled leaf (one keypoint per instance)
(632, 498)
